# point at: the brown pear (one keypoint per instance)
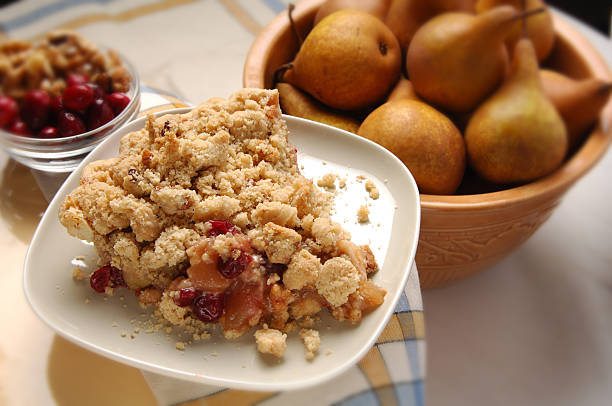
(424, 139)
(377, 8)
(445, 6)
(578, 101)
(406, 16)
(456, 60)
(297, 103)
(403, 90)
(539, 27)
(517, 135)
(348, 61)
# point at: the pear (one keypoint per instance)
(377, 8)
(445, 6)
(403, 89)
(348, 61)
(299, 104)
(456, 60)
(424, 139)
(406, 16)
(539, 28)
(517, 135)
(578, 101)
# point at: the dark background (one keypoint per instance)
(596, 13)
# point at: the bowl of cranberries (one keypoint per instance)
(54, 132)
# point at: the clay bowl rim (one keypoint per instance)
(556, 183)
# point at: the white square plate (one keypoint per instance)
(97, 325)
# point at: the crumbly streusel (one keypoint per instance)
(209, 219)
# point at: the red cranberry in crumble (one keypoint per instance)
(35, 108)
(106, 276)
(69, 124)
(8, 110)
(234, 266)
(78, 97)
(219, 227)
(185, 296)
(118, 102)
(208, 307)
(100, 278)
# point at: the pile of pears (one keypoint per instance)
(449, 86)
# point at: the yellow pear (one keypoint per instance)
(403, 89)
(456, 60)
(297, 103)
(517, 135)
(578, 101)
(539, 28)
(348, 61)
(377, 8)
(406, 16)
(424, 139)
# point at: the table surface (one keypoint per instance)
(535, 329)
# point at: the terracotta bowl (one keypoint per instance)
(464, 234)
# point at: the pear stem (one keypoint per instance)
(299, 38)
(280, 71)
(526, 14)
(523, 22)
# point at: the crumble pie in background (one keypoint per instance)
(206, 216)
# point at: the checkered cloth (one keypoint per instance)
(392, 372)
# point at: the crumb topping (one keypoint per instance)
(271, 341)
(208, 219)
(311, 341)
(338, 278)
(363, 214)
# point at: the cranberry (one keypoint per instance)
(100, 278)
(35, 108)
(56, 106)
(116, 277)
(234, 267)
(208, 307)
(76, 79)
(99, 113)
(99, 92)
(186, 296)
(8, 110)
(69, 124)
(49, 132)
(221, 227)
(19, 127)
(118, 102)
(78, 97)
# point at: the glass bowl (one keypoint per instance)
(61, 155)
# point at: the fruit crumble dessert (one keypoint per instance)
(205, 216)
